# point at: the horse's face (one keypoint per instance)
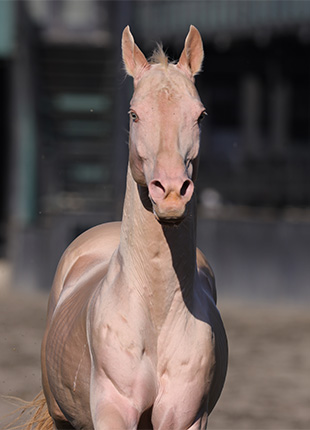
(165, 114)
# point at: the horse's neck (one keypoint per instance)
(159, 261)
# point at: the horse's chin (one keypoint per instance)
(170, 220)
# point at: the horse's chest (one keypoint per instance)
(185, 353)
(169, 370)
(185, 362)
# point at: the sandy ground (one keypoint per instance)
(268, 383)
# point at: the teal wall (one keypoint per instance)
(218, 17)
(7, 27)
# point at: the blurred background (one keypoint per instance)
(64, 102)
(63, 132)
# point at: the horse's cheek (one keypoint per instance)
(136, 167)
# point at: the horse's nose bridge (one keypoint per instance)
(170, 166)
(176, 185)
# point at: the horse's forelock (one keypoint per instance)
(159, 56)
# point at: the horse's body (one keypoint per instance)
(134, 338)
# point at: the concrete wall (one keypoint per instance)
(252, 260)
(258, 260)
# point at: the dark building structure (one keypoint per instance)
(64, 99)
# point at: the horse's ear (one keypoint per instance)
(134, 60)
(192, 55)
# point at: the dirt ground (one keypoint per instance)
(268, 382)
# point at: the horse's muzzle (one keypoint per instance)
(169, 197)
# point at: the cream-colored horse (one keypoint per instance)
(133, 337)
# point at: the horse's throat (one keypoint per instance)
(159, 261)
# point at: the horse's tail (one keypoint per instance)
(32, 415)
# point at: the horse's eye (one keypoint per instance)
(201, 116)
(134, 116)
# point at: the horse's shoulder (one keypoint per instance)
(88, 253)
(94, 246)
(100, 241)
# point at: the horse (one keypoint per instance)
(133, 338)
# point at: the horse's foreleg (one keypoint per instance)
(201, 423)
(110, 409)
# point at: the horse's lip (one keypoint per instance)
(167, 220)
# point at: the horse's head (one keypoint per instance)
(165, 113)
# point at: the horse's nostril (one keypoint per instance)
(159, 185)
(185, 187)
(156, 190)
